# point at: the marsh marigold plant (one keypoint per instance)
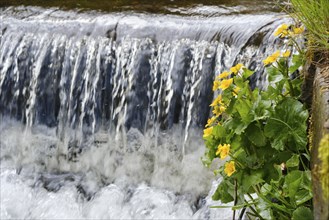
(261, 134)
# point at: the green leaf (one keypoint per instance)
(238, 81)
(206, 161)
(302, 213)
(264, 209)
(252, 161)
(261, 108)
(243, 107)
(267, 204)
(307, 181)
(287, 125)
(276, 79)
(238, 152)
(236, 142)
(219, 131)
(209, 139)
(278, 144)
(266, 189)
(293, 183)
(230, 109)
(282, 157)
(240, 128)
(293, 161)
(247, 73)
(271, 172)
(222, 192)
(210, 154)
(303, 196)
(256, 135)
(235, 125)
(248, 180)
(297, 61)
(271, 93)
(297, 85)
(274, 75)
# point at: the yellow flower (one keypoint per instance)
(284, 34)
(218, 110)
(286, 54)
(207, 132)
(282, 30)
(210, 121)
(223, 150)
(216, 85)
(225, 84)
(229, 168)
(236, 90)
(217, 101)
(298, 30)
(223, 75)
(235, 69)
(272, 58)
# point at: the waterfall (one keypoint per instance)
(95, 100)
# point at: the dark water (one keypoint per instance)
(160, 6)
(87, 70)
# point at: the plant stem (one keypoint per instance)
(235, 196)
(282, 216)
(296, 45)
(255, 212)
(291, 88)
(242, 213)
(251, 95)
(276, 206)
(285, 72)
(280, 198)
(301, 160)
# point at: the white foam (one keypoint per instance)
(106, 181)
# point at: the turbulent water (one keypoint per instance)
(102, 114)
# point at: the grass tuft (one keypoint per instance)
(314, 14)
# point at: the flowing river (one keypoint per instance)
(102, 111)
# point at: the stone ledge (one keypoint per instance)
(319, 128)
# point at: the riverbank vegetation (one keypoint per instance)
(315, 17)
(262, 135)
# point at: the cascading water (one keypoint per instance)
(102, 114)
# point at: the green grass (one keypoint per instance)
(314, 14)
